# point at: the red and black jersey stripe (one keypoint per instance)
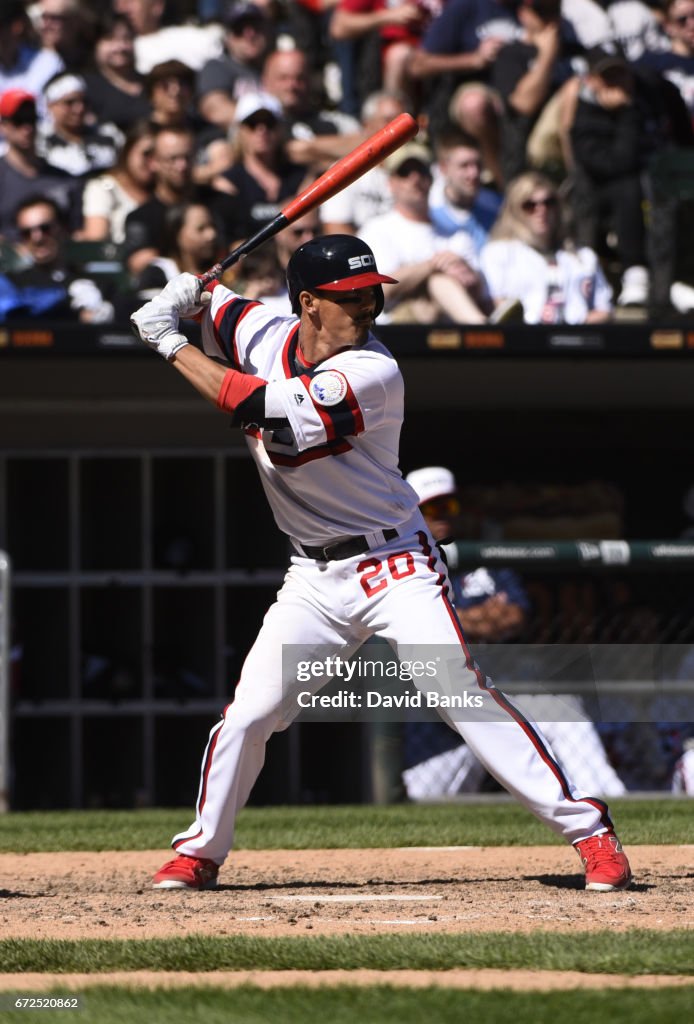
(226, 322)
(342, 420)
(338, 446)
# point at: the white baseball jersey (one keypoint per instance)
(333, 473)
(565, 293)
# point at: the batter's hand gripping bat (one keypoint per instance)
(365, 156)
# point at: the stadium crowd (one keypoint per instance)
(545, 182)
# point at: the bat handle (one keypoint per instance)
(275, 225)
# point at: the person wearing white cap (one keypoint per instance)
(67, 140)
(492, 606)
(261, 176)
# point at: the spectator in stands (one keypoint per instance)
(357, 51)
(458, 201)
(530, 259)
(22, 64)
(157, 41)
(110, 197)
(190, 243)
(46, 285)
(621, 117)
(300, 231)
(436, 276)
(677, 63)
(248, 37)
(68, 140)
(314, 137)
(455, 58)
(170, 87)
(261, 177)
(308, 25)
(398, 27)
(22, 171)
(66, 28)
(261, 277)
(493, 607)
(370, 195)
(526, 73)
(172, 163)
(115, 88)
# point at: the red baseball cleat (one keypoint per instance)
(185, 872)
(606, 864)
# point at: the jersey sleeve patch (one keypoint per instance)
(328, 388)
(335, 402)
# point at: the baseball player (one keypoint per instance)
(321, 402)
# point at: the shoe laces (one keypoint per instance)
(599, 850)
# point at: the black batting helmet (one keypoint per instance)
(334, 263)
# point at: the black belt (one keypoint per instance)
(344, 548)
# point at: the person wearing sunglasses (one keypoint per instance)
(45, 284)
(22, 171)
(676, 64)
(261, 176)
(493, 607)
(530, 258)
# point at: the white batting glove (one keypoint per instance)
(184, 294)
(157, 325)
(84, 294)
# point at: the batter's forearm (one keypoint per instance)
(203, 373)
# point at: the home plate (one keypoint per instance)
(317, 898)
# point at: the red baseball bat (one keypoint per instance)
(366, 155)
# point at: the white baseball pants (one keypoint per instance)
(397, 591)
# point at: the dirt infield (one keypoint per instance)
(332, 892)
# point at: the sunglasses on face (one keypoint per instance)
(438, 508)
(19, 120)
(256, 121)
(530, 205)
(45, 228)
(411, 166)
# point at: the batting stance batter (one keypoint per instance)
(321, 402)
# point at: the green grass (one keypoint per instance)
(328, 827)
(638, 952)
(378, 1005)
